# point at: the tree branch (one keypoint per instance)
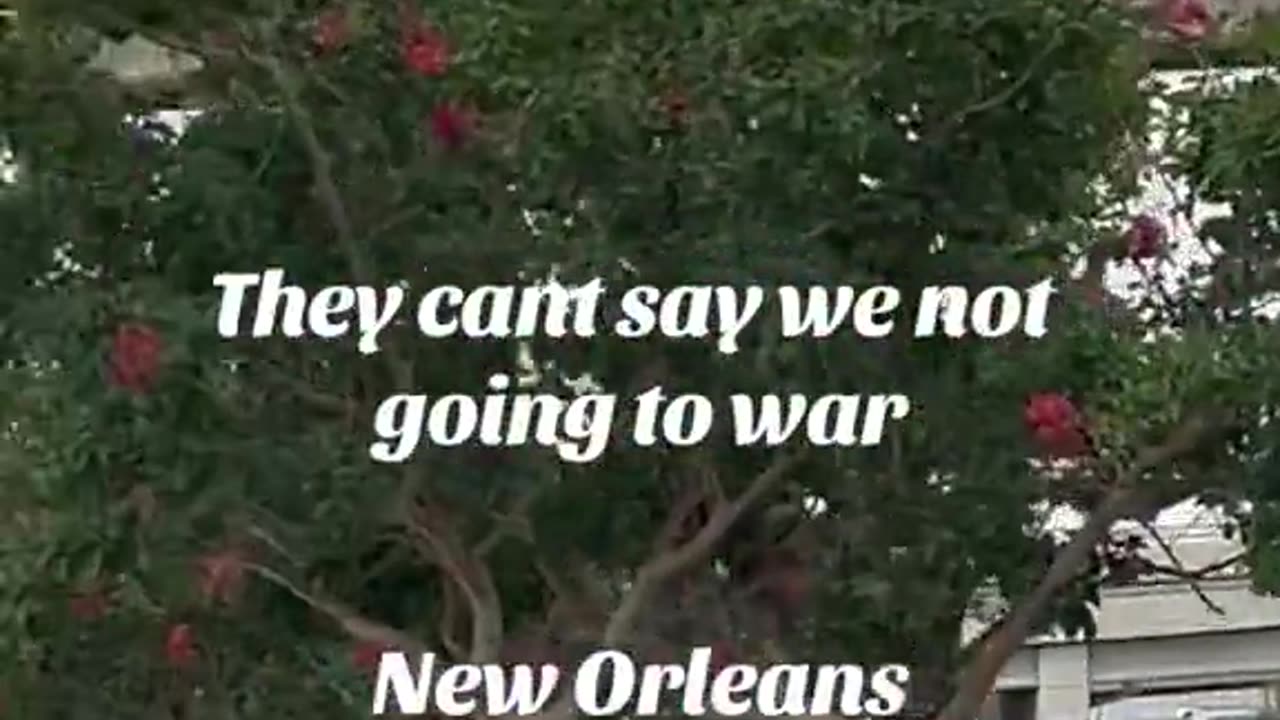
(666, 564)
(980, 673)
(401, 369)
(514, 522)
(351, 622)
(449, 621)
(651, 576)
(321, 165)
(427, 523)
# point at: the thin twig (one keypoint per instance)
(1003, 96)
(271, 542)
(308, 393)
(321, 164)
(514, 522)
(1199, 573)
(1180, 569)
(354, 624)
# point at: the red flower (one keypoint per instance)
(425, 50)
(331, 30)
(135, 357)
(1067, 443)
(1050, 410)
(1146, 236)
(451, 124)
(675, 105)
(1055, 424)
(88, 606)
(1187, 19)
(366, 655)
(221, 576)
(180, 646)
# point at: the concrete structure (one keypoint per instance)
(1156, 637)
(1151, 641)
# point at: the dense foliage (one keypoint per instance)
(193, 525)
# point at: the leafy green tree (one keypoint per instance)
(194, 526)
